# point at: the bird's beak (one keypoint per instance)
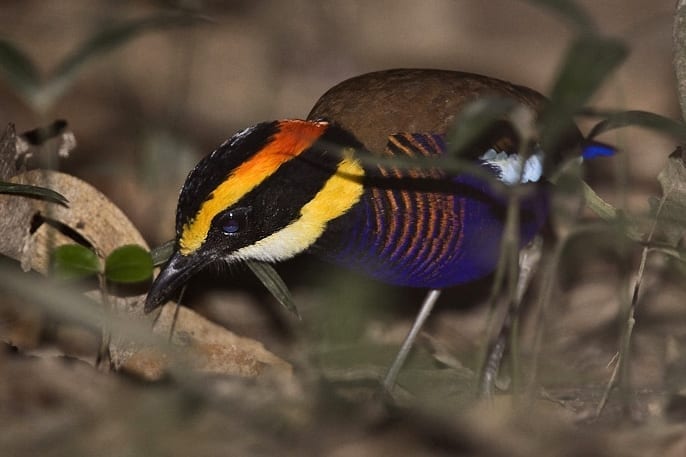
(175, 273)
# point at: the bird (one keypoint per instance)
(285, 187)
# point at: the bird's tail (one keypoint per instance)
(591, 149)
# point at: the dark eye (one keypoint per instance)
(231, 226)
(233, 221)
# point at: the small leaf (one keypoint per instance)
(645, 119)
(32, 191)
(73, 261)
(128, 264)
(18, 70)
(571, 12)
(273, 282)
(162, 253)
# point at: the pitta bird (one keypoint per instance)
(281, 188)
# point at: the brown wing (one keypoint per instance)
(376, 105)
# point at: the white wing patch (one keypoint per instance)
(509, 166)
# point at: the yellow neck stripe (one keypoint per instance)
(338, 195)
(292, 138)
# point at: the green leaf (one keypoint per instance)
(18, 70)
(73, 261)
(273, 282)
(644, 119)
(32, 191)
(162, 253)
(587, 64)
(128, 264)
(570, 11)
(101, 43)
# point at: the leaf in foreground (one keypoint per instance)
(161, 254)
(73, 261)
(570, 11)
(587, 64)
(273, 282)
(637, 118)
(102, 42)
(33, 191)
(128, 264)
(18, 70)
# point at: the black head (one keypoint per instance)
(265, 194)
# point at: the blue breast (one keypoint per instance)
(423, 228)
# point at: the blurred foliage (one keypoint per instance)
(619, 119)
(588, 63)
(21, 73)
(571, 12)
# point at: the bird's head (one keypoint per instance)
(265, 194)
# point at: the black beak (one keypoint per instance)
(174, 274)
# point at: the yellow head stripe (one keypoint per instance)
(338, 195)
(292, 138)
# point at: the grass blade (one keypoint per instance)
(637, 118)
(101, 43)
(18, 70)
(571, 12)
(161, 253)
(587, 64)
(26, 190)
(273, 282)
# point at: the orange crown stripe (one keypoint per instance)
(291, 139)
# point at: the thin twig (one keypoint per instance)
(623, 366)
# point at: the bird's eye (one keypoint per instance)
(231, 226)
(233, 221)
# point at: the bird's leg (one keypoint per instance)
(529, 258)
(399, 361)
